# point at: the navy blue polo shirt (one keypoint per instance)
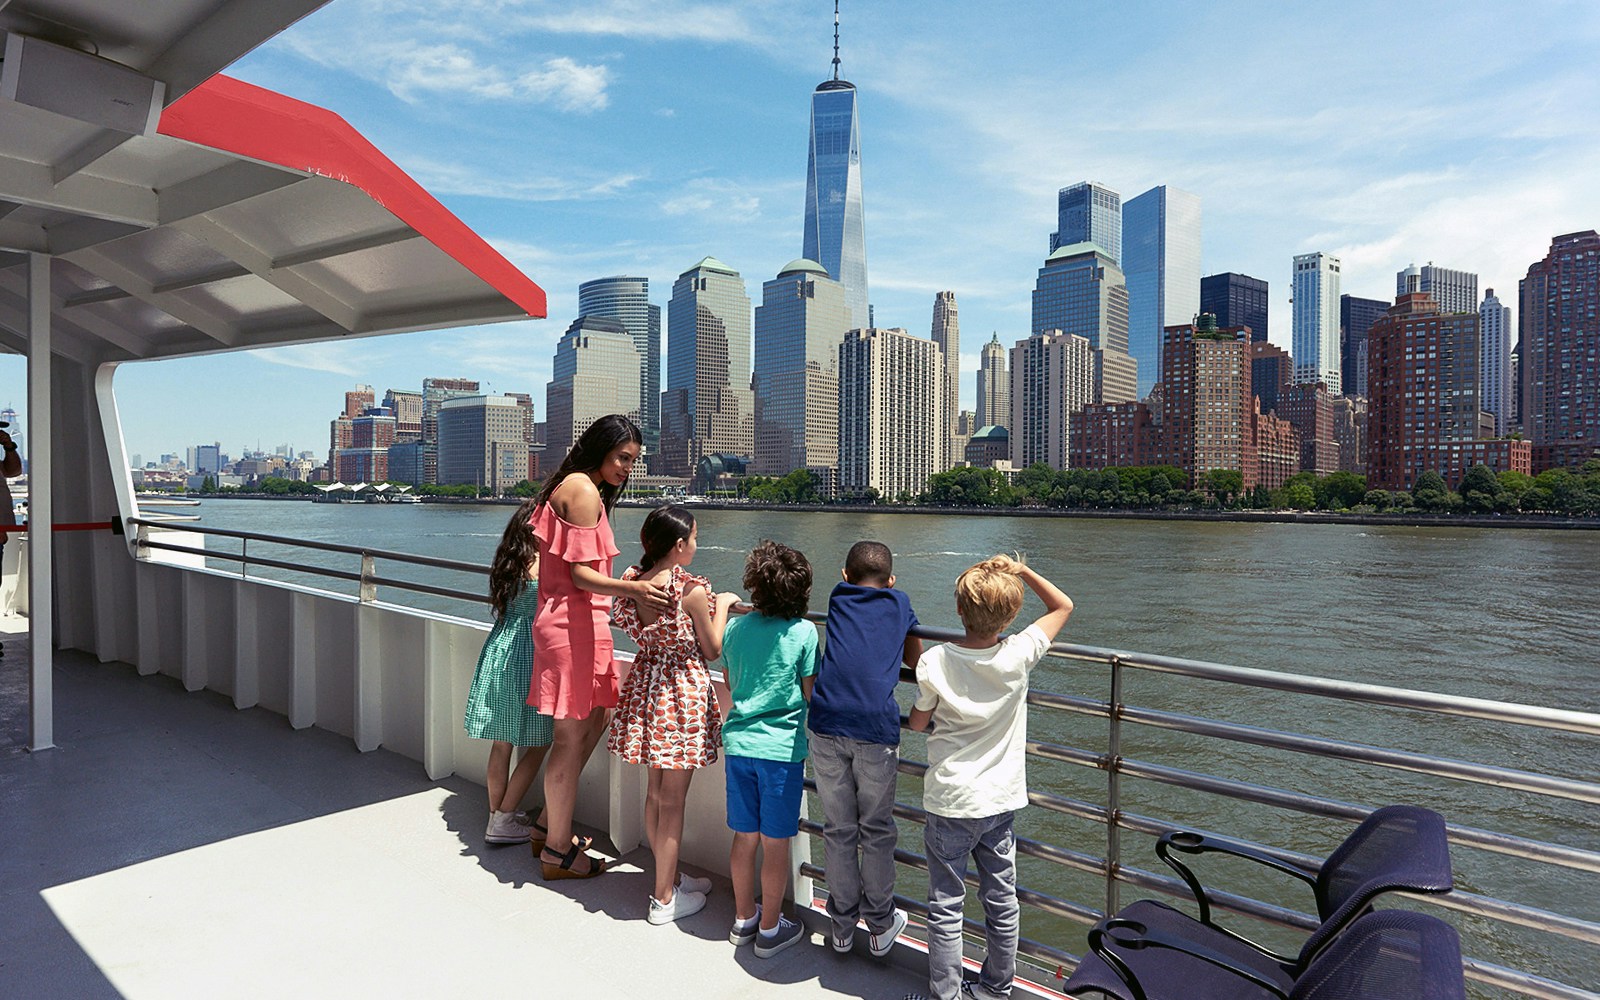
(854, 692)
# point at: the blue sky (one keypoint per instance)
(636, 136)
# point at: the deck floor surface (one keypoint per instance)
(174, 846)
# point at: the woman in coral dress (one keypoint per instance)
(667, 718)
(574, 676)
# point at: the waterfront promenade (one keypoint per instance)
(173, 846)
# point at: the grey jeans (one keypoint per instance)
(992, 846)
(856, 783)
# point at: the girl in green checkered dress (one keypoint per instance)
(497, 707)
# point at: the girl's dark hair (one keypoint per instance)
(590, 451)
(508, 574)
(778, 579)
(663, 528)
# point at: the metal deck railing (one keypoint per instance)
(1577, 733)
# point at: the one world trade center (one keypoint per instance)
(835, 235)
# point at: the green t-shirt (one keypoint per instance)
(764, 659)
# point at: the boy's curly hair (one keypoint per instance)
(989, 595)
(778, 580)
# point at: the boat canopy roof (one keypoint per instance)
(238, 218)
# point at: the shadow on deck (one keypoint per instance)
(174, 846)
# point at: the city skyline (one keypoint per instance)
(674, 134)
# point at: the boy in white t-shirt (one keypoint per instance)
(974, 693)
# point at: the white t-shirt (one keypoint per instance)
(978, 698)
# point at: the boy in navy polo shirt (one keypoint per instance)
(855, 744)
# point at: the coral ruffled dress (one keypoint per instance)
(573, 668)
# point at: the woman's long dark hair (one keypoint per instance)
(508, 574)
(590, 451)
(663, 528)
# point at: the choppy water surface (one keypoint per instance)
(1505, 614)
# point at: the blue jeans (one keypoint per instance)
(992, 846)
(856, 783)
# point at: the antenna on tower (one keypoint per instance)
(836, 39)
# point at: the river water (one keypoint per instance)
(1505, 613)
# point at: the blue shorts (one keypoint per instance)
(764, 795)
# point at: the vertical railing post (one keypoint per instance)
(369, 590)
(1114, 790)
(244, 558)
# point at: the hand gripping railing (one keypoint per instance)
(1118, 715)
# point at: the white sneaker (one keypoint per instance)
(503, 828)
(688, 883)
(682, 904)
(842, 943)
(880, 944)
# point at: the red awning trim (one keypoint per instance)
(240, 118)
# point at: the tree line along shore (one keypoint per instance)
(1558, 497)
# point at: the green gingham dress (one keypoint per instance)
(497, 705)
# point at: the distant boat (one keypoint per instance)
(407, 498)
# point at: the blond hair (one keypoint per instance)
(989, 595)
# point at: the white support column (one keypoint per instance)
(246, 645)
(41, 608)
(439, 716)
(196, 661)
(368, 678)
(303, 663)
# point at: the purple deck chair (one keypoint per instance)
(1395, 848)
(1382, 955)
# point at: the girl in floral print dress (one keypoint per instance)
(667, 715)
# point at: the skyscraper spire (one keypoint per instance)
(836, 39)
(835, 233)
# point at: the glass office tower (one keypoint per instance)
(627, 300)
(1161, 260)
(1316, 321)
(1088, 212)
(1081, 291)
(1236, 300)
(707, 407)
(835, 234)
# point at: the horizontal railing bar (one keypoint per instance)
(1525, 983)
(1067, 755)
(1068, 807)
(355, 550)
(1488, 840)
(1520, 914)
(337, 574)
(1373, 694)
(1068, 703)
(428, 588)
(1444, 767)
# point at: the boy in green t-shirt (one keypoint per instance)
(770, 657)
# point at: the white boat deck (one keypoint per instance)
(173, 846)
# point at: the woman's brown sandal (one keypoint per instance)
(541, 834)
(563, 869)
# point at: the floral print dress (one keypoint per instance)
(667, 715)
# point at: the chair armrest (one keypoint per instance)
(1132, 935)
(1189, 842)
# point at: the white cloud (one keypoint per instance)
(728, 200)
(418, 67)
(658, 20)
(466, 179)
(339, 358)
